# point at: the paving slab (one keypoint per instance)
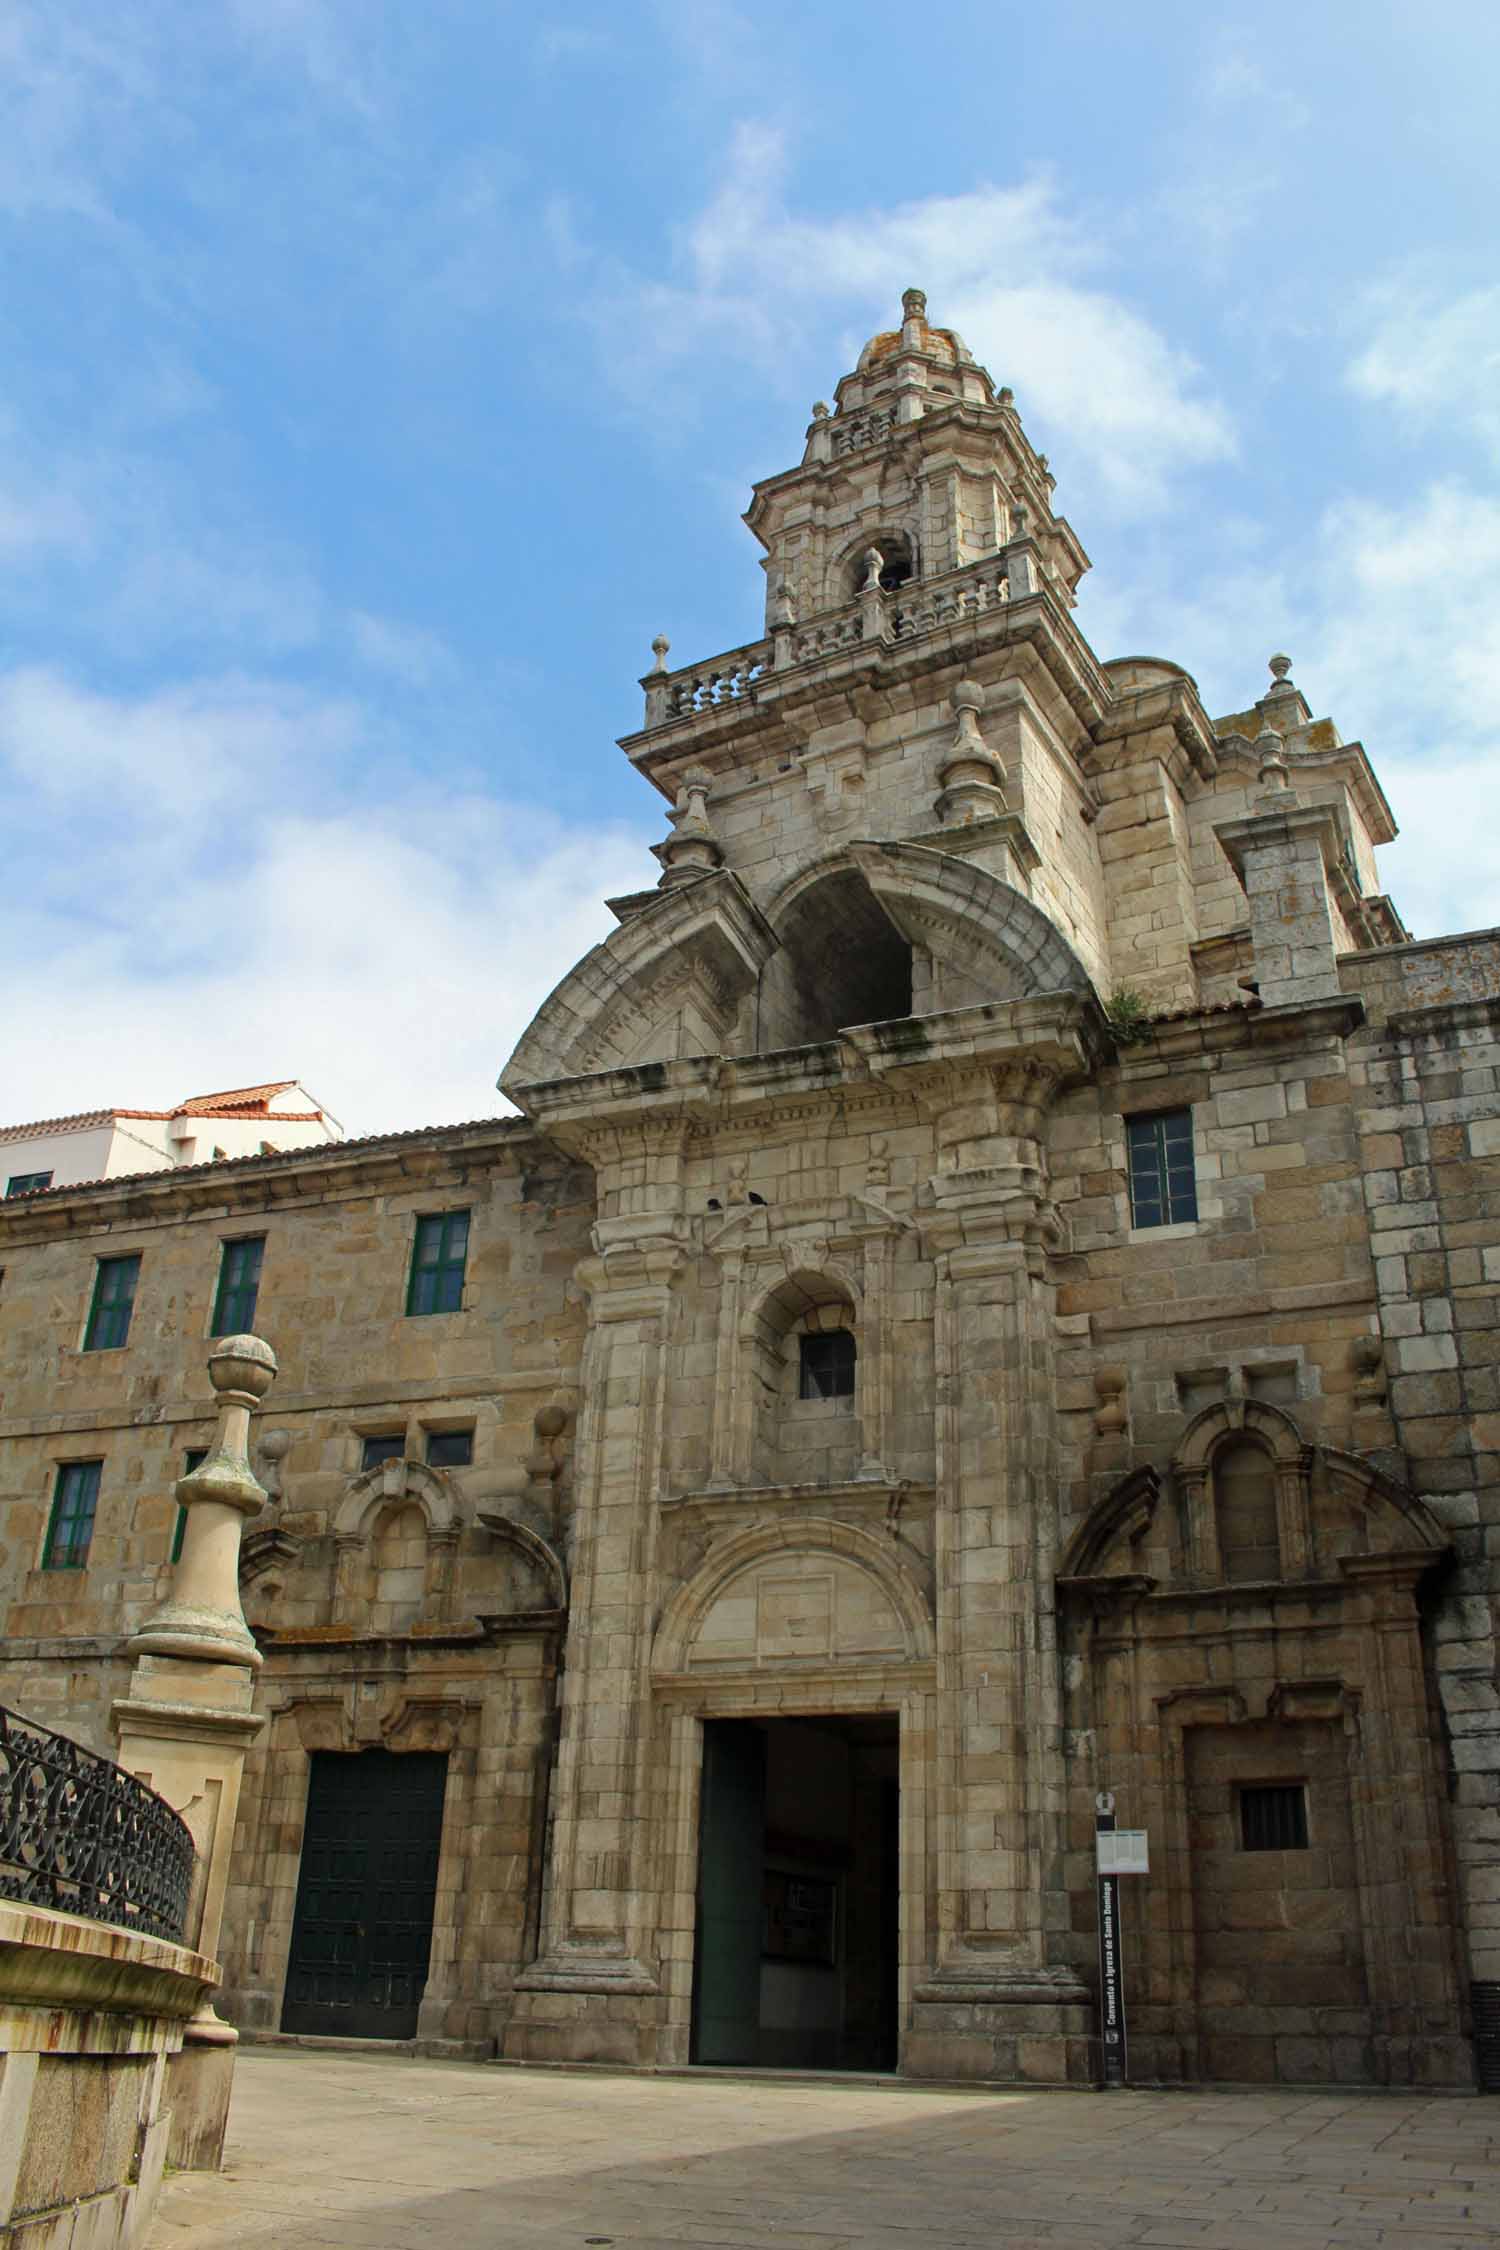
(333, 2151)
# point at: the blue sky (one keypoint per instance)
(379, 379)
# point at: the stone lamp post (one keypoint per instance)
(187, 1720)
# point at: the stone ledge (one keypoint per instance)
(64, 1966)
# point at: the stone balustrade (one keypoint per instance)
(852, 433)
(922, 606)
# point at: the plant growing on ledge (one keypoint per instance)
(1126, 1014)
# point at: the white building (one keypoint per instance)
(112, 1144)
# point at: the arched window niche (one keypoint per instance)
(804, 1357)
(1244, 1498)
(1243, 1474)
(898, 562)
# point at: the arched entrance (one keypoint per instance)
(795, 1673)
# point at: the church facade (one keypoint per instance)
(989, 1299)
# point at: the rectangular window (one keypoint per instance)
(239, 1284)
(826, 1367)
(450, 1449)
(377, 1449)
(72, 1525)
(1274, 1818)
(194, 1458)
(1163, 1191)
(114, 1294)
(437, 1263)
(27, 1183)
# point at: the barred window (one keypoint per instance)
(1163, 1191)
(827, 1364)
(1273, 1817)
(450, 1449)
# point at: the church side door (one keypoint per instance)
(363, 1926)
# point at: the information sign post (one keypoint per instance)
(1117, 1852)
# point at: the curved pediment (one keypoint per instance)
(816, 1591)
(666, 984)
(975, 928)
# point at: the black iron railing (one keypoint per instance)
(80, 1834)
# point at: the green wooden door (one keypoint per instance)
(731, 1862)
(363, 1926)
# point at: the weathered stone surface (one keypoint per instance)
(1181, 1510)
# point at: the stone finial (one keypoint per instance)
(691, 849)
(203, 1619)
(659, 648)
(967, 700)
(273, 1449)
(1280, 667)
(972, 775)
(1269, 750)
(874, 564)
(913, 304)
(1005, 395)
(820, 410)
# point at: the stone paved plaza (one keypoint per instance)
(381, 2153)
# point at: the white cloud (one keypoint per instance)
(1435, 362)
(219, 918)
(1393, 617)
(762, 280)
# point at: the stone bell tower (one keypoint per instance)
(811, 1072)
(832, 1075)
(922, 463)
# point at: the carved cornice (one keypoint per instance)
(441, 1154)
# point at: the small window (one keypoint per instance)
(378, 1449)
(239, 1285)
(194, 1458)
(1163, 1191)
(1274, 1819)
(114, 1294)
(437, 1263)
(27, 1183)
(71, 1529)
(450, 1449)
(827, 1365)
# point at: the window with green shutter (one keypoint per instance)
(239, 1285)
(27, 1183)
(194, 1458)
(437, 1263)
(1163, 1189)
(71, 1527)
(114, 1294)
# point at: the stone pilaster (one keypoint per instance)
(594, 1992)
(995, 2005)
(1282, 853)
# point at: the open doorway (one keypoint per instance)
(796, 1963)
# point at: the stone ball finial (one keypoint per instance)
(275, 1444)
(1280, 666)
(659, 648)
(242, 1363)
(820, 409)
(967, 695)
(913, 304)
